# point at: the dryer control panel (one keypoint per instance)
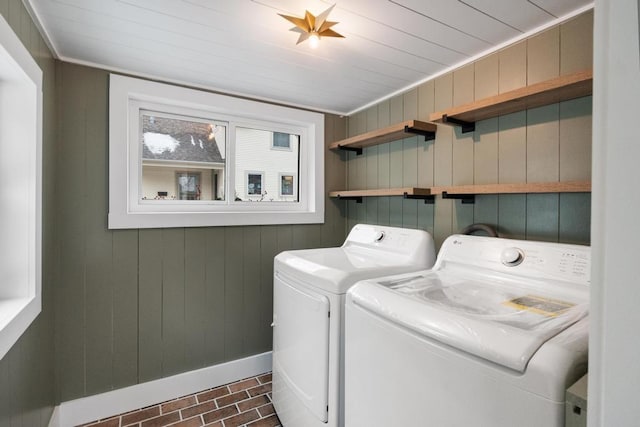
(399, 241)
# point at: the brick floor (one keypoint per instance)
(243, 403)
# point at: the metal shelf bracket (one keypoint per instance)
(428, 200)
(466, 126)
(428, 135)
(464, 198)
(358, 151)
(358, 199)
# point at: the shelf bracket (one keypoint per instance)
(428, 135)
(358, 199)
(428, 200)
(358, 151)
(466, 126)
(464, 198)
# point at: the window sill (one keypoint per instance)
(17, 315)
(207, 219)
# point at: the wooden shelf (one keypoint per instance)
(558, 89)
(388, 134)
(535, 187)
(466, 192)
(406, 192)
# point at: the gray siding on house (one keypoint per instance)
(137, 305)
(27, 371)
(549, 143)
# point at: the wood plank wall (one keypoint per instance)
(137, 305)
(549, 143)
(27, 371)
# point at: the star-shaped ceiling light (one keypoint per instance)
(313, 27)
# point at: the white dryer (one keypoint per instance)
(308, 310)
(492, 336)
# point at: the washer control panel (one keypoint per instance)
(522, 257)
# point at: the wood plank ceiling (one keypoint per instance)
(243, 46)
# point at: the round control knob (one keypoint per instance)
(378, 236)
(511, 257)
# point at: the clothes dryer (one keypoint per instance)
(308, 329)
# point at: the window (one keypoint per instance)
(254, 183)
(181, 157)
(20, 188)
(286, 185)
(281, 141)
(188, 184)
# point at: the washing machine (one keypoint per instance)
(492, 336)
(308, 310)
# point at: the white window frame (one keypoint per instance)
(20, 188)
(127, 96)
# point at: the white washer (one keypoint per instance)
(492, 336)
(308, 310)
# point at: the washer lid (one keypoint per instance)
(491, 317)
(337, 269)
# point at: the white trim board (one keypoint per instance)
(87, 409)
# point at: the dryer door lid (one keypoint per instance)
(503, 323)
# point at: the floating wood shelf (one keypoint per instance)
(388, 134)
(466, 193)
(406, 192)
(558, 89)
(531, 187)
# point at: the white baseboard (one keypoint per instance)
(126, 399)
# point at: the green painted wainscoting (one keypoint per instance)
(549, 143)
(27, 371)
(137, 305)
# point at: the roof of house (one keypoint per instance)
(179, 140)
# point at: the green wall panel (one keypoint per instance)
(125, 308)
(173, 301)
(214, 264)
(150, 252)
(195, 291)
(371, 210)
(384, 210)
(254, 328)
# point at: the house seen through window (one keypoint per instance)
(182, 158)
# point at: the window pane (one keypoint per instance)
(260, 168)
(188, 186)
(183, 158)
(281, 140)
(286, 185)
(254, 184)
